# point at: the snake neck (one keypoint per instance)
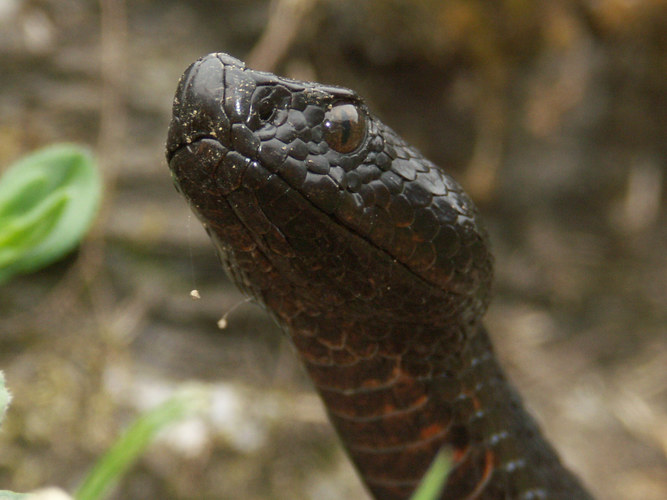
(397, 395)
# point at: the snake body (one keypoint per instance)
(375, 263)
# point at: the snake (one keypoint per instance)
(375, 263)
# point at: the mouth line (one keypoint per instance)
(202, 136)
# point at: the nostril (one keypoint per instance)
(265, 110)
(267, 102)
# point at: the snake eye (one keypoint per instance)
(344, 127)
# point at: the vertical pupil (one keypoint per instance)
(346, 128)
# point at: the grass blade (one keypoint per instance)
(109, 469)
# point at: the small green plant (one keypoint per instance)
(47, 203)
(434, 480)
(110, 468)
(123, 454)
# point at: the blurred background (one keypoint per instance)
(552, 114)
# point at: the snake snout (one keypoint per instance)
(203, 108)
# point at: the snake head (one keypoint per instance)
(299, 182)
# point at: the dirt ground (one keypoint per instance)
(552, 114)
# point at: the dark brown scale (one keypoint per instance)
(376, 264)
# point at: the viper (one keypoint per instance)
(376, 264)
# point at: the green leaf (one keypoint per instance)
(434, 480)
(47, 203)
(108, 470)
